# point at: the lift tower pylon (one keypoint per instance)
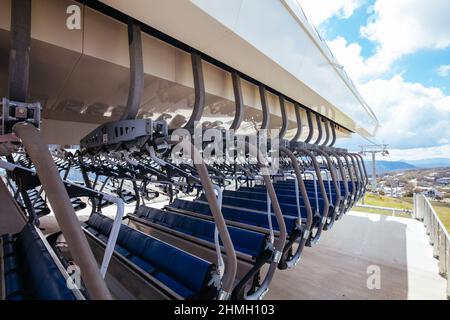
(373, 150)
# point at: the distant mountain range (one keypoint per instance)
(403, 165)
(388, 166)
(429, 163)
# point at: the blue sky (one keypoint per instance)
(398, 54)
(418, 67)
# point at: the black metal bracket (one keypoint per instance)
(124, 134)
(14, 112)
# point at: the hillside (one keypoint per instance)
(383, 166)
(429, 163)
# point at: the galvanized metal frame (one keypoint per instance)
(310, 126)
(299, 123)
(333, 134)
(327, 132)
(19, 55)
(265, 107)
(199, 87)
(319, 129)
(283, 116)
(238, 99)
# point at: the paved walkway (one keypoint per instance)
(359, 245)
(337, 267)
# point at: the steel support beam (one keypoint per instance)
(136, 72)
(19, 54)
(310, 126)
(319, 128)
(199, 87)
(283, 116)
(239, 101)
(265, 107)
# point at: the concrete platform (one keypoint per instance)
(339, 266)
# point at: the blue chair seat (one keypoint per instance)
(189, 274)
(246, 241)
(30, 271)
(257, 219)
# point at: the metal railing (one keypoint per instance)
(394, 211)
(439, 237)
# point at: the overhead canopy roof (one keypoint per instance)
(271, 41)
(81, 76)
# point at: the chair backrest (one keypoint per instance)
(187, 269)
(246, 217)
(30, 271)
(246, 241)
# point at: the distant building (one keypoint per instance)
(444, 181)
(434, 194)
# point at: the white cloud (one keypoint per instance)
(414, 118)
(397, 29)
(358, 68)
(349, 55)
(411, 115)
(420, 153)
(318, 11)
(402, 27)
(443, 71)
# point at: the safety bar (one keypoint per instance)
(362, 176)
(112, 239)
(281, 241)
(231, 260)
(63, 209)
(350, 174)
(358, 175)
(316, 193)
(366, 177)
(309, 214)
(83, 191)
(314, 238)
(336, 186)
(345, 204)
